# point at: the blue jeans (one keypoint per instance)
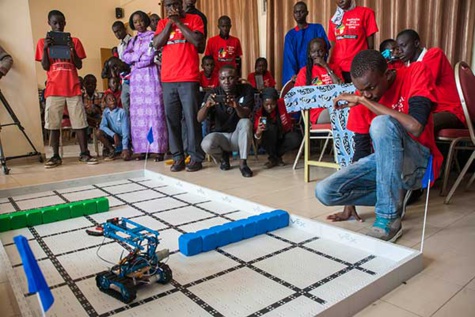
(380, 179)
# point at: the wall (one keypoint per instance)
(19, 86)
(147, 6)
(88, 20)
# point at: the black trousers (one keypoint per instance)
(276, 145)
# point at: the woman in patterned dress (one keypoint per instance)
(146, 99)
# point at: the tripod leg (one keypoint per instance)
(3, 160)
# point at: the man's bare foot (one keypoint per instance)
(347, 213)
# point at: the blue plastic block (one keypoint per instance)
(224, 234)
(271, 221)
(261, 222)
(283, 218)
(237, 231)
(190, 244)
(248, 228)
(209, 238)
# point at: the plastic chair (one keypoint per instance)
(465, 81)
(318, 131)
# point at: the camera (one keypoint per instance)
(220, 98)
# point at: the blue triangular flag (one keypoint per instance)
(429, 175)
(34, 276)
(150, 136)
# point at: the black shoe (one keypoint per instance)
(178, 165)
(194, 166)
(245, 171)
(224, 164)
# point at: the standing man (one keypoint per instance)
(191, 9)
(225, 49)
(180, 35)
(6, 62)
(296, 42)
(121, 34)
(62, 87)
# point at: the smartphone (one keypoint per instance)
(220, 98)
(263, 120)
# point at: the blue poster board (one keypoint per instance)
(309, 97)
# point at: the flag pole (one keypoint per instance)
(43, 313)
(146, 156)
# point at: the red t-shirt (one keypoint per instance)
(445, 88)
(180, 60)
(319, 77)
(267, 78)
(62, 76)
(350, 37)
(412, 81)
(211, 82)
(224, 51)
(396, 64)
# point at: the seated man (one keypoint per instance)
(114, 131)
(448, 112)
(229, 106)
(393, 113)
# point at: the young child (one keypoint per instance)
(208, 76)
(114, 131)
(224, 48)
(62, 88)
(115, 89)
(92, 101)
(261, 78)
(390, 51)
(318, 72)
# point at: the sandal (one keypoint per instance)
(141, 157)
(160, 157)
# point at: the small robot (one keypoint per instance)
(141, 265)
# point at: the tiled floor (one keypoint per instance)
(445, 287)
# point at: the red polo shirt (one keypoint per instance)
(319, 77)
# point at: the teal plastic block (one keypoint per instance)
(63, 211)
(18, 220)
(34, 217)
(89, 207)
(50, 214)
(76, 209)
(102, 204)
(4, 222)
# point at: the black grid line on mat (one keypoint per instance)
(86, 305)
(184, 288)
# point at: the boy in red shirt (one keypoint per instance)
(448, 112)
(391, 113)
(225, 49)
(350, 30)
(261, 78)
(62, 87)
(180, 35)
(208, 76)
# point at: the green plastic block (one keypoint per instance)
(89, 206)
(50, 214)
(102, 204)
(63, 211)
(34, 217)
(4, 222)
(18, 220)
(76, 209)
